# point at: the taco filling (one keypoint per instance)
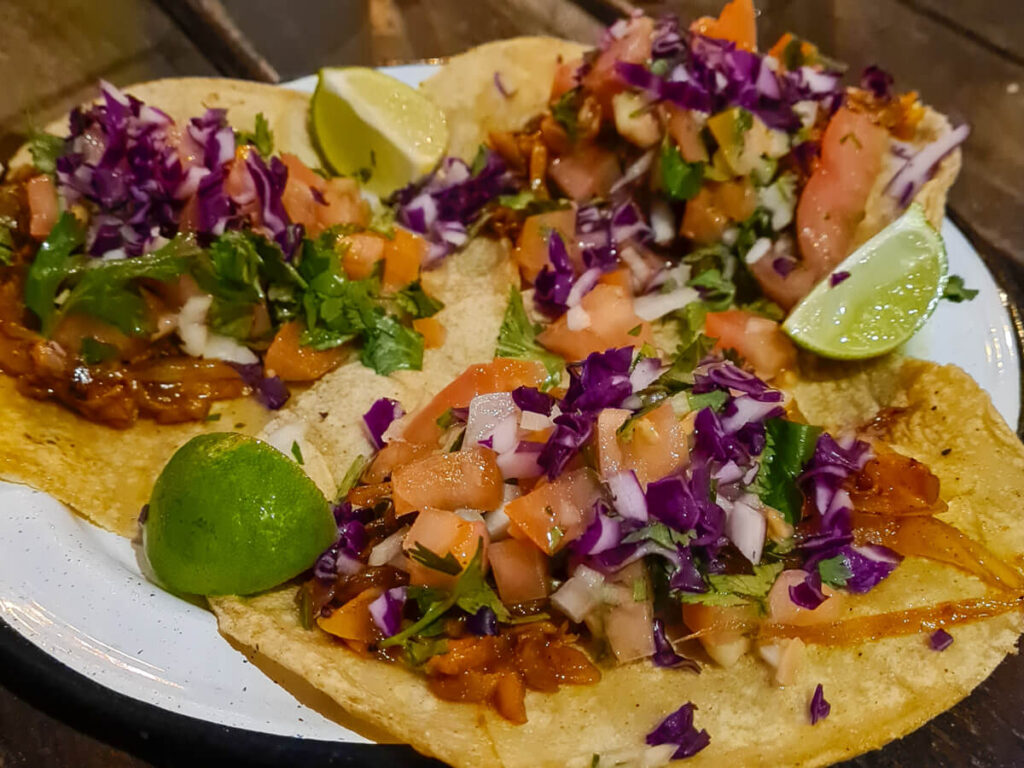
(678, 173)
(153, 267)
(508, 536)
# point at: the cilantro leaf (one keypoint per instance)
(566, 111)
(737, 588)
(424, 556)
(261, 136)
(6, 246)
(355, 470)
(717, 291)
(390, 346)
(835, 572)
(714, 400)
(93, 351)
(51, 267)
(788, 447)
(45, 148)
(956, 292)
(660, 534)
(528, 203)
(297, 453)
(518, 339)
(681, 180)
(418, 650)
(416, 302)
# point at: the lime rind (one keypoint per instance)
(896, 280)
(372, 126)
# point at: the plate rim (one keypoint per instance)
(162, 736)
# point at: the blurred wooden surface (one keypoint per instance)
(966, 57)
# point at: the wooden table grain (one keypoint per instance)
(966, 57)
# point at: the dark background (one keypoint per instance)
(966, 57)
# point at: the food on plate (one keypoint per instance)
(675, 172)
(170, 250)
(666, 559)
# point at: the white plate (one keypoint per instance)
(76, 592)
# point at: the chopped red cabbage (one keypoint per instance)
(379, 417)
(808, 593)
(600, 381)
(664, 654)
(819, 707)
(686, 577)
(571, 431)
(909, 179)
(666, 42)
(783, 265)
(270, 180)
(940, 640)
(442, 207)
(533, 400)
(669, 500)
(726, 376)
(678, 729)
(627, 495)
(554, 282)
(869, 566)
(483, 622)
(501, 86)
(837, 277)
(877, 81)
(269, 390)
(386, 611)
(604, 533)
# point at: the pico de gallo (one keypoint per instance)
(678, 173)
(511, 536)
(149, 268)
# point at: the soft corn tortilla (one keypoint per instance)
(878, 691)
(103, 473)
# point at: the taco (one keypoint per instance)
(675, 563)
(172, 264)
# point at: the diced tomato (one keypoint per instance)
(553, 514)
(532, 246)
(715, 207)
(403, 256)
(42, 205)
(633, 47)
(394, 454)
(565, 77)
(782, 609)
(520, 569)
(736, 23)
(620, 277)
(657, 446)
(444, 532)
(317, 203)
(363, 251)
(610, 308)
(758, 340)
(288, 358)
(352, 621)
(725, 645)
(831, 205)
(685, 131)
(499, 375)
(586, 172)
(463, 479)
(432, 331)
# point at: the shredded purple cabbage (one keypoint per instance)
(819, 708)
(837, 277)
(940, 640)
(877, 81)
(483, 622)
(909, 179)
(678, 729)
(664, 654)
(379, 417)
(554, 282)
(501, 86)
(442, 207)
(601, 381)
(670, 501)
(386, 611)
(604, 533)
(571, 431)
(870, 565)
(667, 42)
(269, 390)
(533, 400)
(808, 593)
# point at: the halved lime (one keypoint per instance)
(230, 515)
(878, 297)
(373, 126)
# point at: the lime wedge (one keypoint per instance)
(230, 515)
(370, 125)
(895, 280)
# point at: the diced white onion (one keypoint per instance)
(663, 222)
(225, 348)
(485, 413)
(531, 421)
(758, 250)
(577, 319)
(389, 549)
(746, 528)
(580, 593)
(655, 305)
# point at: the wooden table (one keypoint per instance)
(966, 57)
